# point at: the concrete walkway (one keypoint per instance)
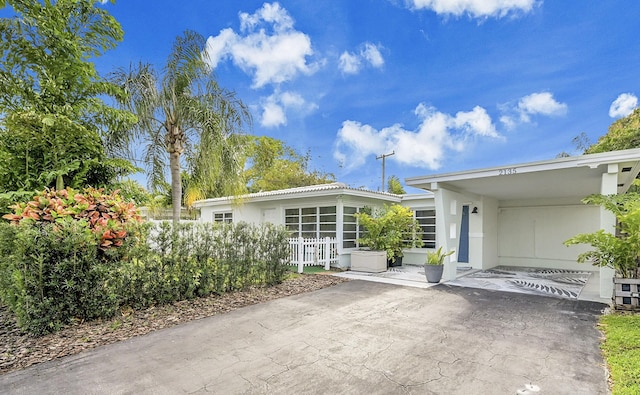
(355, 338)
(413, 276)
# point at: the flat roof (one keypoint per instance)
(576, 176)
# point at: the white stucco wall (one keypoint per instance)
(483, 235)
(533, 236)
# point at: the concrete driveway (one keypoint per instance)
(355, 338)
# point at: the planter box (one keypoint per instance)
(369, 261)
(626, 293)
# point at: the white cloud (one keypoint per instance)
(540, 103)
(272, 114)
(271, 13)
(268, 47)
(352, 63)
(476, 122)
(424, 147)
(372, 54)
(349, 63)
(475, 8)
(275, 107)
(623, 105)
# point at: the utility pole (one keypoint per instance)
(383, 157)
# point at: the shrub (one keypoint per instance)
(53, 272)
(620, 251)
(51, 275)
(104, 213)
(390, 229)
(190, 260)
(56, 265)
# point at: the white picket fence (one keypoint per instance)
(313, 252)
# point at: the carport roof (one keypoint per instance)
(576, 176)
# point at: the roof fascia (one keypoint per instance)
(592, 160)
(335, 192)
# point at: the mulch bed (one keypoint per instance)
(18, 350)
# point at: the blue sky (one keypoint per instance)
(449, 85)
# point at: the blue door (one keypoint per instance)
(463, 248)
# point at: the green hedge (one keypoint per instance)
(200, 259)
(53, 274)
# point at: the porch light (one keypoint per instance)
(475, 210)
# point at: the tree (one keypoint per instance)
(273, 165)
(53, 121)
(180, 109)
(622, 134)
(395, 186)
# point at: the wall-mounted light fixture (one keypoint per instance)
(475, 210)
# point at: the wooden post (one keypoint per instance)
(327, 254)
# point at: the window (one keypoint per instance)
(351, 231)
(311, 222)
(427, 221)
(223, 217)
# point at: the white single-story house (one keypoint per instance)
(516, 215)
(320, 211)
(520, 215)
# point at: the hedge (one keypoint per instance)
(52, 274)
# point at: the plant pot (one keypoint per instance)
(433, 273)
(397, 261)
(369, 261)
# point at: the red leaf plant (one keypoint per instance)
(105, 214)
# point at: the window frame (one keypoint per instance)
(227, 217)
(311, 219)
(431, 242)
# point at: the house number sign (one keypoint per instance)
(507, 171)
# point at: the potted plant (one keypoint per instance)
(620, 251)
(389, 230)
(434, 265)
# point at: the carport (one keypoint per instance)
(520, 215)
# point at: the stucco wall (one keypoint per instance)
(533, 236)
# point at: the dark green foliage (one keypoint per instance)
(199, 260)
(52, 274)
(55, 127)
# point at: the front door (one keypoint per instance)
(463, 248)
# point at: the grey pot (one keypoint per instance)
(433, 273)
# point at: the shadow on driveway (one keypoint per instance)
(354, 338)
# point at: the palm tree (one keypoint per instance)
(183, 112)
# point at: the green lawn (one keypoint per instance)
(621, 349)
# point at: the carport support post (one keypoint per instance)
(609, 186)
(447, 210)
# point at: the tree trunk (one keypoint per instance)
(174, 140)
(176, 185)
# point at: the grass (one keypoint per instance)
(621, 349)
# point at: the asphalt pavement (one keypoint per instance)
(358, 337)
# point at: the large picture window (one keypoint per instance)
(311, 222)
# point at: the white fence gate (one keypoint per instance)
(313, 252)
